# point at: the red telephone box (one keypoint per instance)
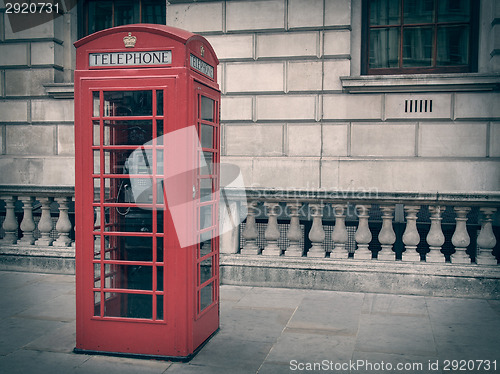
(147, 153)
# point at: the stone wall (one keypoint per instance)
(36, 130)
(288, 120)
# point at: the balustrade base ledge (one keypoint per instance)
(25, 258)
(447, 280)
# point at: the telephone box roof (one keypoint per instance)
(174, 33)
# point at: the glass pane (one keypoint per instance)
(206, 163)
(159, 131)
(96, 104)
(453, 45)
(97, 303)
(159, 103)
(384, 48)
(159, 278)
(205, 268)
(97, 162)
(418, 11)
(128, 305)
(454, 11)
(99, 16)
(137, 220)
(206, 219)
(131, 248)
(125, 13)
(207, 136)
(159, 162)
(153, 11)
(159, 307)
(417, 46)
(130, 277)
(384, 12)
(128, 103)
(205, 243)
(206, 296)
(96, 134)
(128, 132)
(159, 249)
(206, 191)
(115, 160)
(207, 109)
(127, 190)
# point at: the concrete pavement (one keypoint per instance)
(266, 330)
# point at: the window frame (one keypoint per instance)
(471, 67)
(83, 15)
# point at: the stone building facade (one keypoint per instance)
(302, 109)
(296, 110)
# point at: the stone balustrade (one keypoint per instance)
(453, 228)
(36, 221)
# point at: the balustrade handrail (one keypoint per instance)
(473, 198)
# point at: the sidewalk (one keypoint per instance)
(264, 330)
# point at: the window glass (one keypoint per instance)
(384, 48)
(103, 14)
(454, 11)
(418, 11)
(419, 36)
(452, 45)
(384, 12)
(417, 46)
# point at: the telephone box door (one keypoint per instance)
(207, 253)
(132, 234)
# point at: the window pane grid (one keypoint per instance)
(418, 36)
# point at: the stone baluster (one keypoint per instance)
(435, 237)
(317, 233)
(272, 233)
(387, 236)
(250, 233)
(63, 225)
(10, 221)
(339, 234)
(460, 238)
(294, 233)
(486, 240)
(45, 224)
(411, 238)
(363, 236)
(27, 224)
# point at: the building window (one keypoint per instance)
(103, 14)
(420, 36)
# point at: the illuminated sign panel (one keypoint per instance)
(202, 66)
(139, 58)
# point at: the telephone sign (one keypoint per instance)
(146, 192)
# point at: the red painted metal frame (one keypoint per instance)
(184, 327)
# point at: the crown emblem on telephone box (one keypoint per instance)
(129, 40)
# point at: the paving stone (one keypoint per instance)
(311, 346)
(122, 365)
(28, 361)
(336, 312)
(401, 305)
(233, 352)
(395, 334)
(264, 325)
(188, 368)
(271, 298)
(61, 339)
(60, 308)
(17, 332)
(233, 293)
(458, 310)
